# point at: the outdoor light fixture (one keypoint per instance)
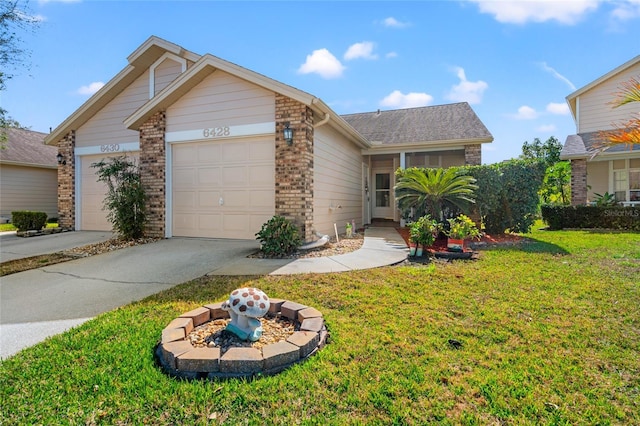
(288, 134)
(61, 159)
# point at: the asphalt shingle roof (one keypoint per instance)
(27, 147)
(419, 125)
(584, 144)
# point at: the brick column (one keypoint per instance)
(294, 165)
(578, 182)
(67, 182)
(473, 155)
(152, 169)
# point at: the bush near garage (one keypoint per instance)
(279, 237)
(28, 221)
(591, 217)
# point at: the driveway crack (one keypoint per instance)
(66, 274)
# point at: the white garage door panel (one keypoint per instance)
(92, 193)
(240, 172)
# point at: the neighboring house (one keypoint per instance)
(209, 138)
(28, 174)
(615, 170)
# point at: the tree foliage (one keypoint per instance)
(507, 198)
(125, 199)
(14, 18)
(556, 185)
(428, 191)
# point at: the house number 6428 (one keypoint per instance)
(216, 132)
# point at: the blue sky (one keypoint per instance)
(513, 61)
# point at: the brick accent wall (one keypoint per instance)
(473, 155)
(294, 165)
(578, 182)
(67, 182)
(153, 171)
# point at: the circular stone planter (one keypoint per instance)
(179, 358)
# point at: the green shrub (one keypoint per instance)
(28, 221)
(602, 217)
(424, 231)
(279, 237)
(508, 198)
(126, 198)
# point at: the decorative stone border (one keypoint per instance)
(34, 233)
(179, 358)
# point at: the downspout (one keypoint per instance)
(324, 121)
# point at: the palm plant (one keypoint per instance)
(427, 190)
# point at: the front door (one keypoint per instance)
(382, 196)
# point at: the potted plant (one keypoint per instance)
(414, 237)
(423, 233)
(460, 229)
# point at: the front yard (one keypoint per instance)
(549, 333)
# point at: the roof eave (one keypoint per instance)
(430, 145)
(35, 165)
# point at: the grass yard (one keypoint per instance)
(550, 334)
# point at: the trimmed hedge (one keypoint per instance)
(603, 217)
(28, 221)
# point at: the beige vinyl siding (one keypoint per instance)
(92, 194)
(337, 180)
(165, 73)
(107, 127)
(28, 188)
(221, 100)
(597, 178)
(595, 112)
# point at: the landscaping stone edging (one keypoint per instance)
(179, 358)
(37, 233)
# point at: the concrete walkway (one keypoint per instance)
(381, 247)
(43, 302)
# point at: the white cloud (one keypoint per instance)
(322, 62)
(467, 91)
(547, 128)
(362, 50)
(392, 22)
(391, 55)
(558, 108)
(566, 12)
(557, 75)
(397, 99)
(525, 112)
(626, 10)
(91, 88)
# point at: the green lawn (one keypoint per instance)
(550, 334)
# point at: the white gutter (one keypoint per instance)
(324, 121)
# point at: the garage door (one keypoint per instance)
(223, 189)
(92, 193)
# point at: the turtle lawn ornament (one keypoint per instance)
(245, 307)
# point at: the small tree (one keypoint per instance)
(125, 199)
(428, 190)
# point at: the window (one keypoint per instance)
(626, 179)
(383, 188)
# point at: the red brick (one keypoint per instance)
(172, 334)
(275, 305)
(307, 341)
(290, 309)
(280, 354)
(216, 311)
(170, 351)
(202, 360)
(186, 323)
(308, 313)
(312, 324)
(241, 360)
(199, 315)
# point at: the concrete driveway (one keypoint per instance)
(13, 247)
(42, 302)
